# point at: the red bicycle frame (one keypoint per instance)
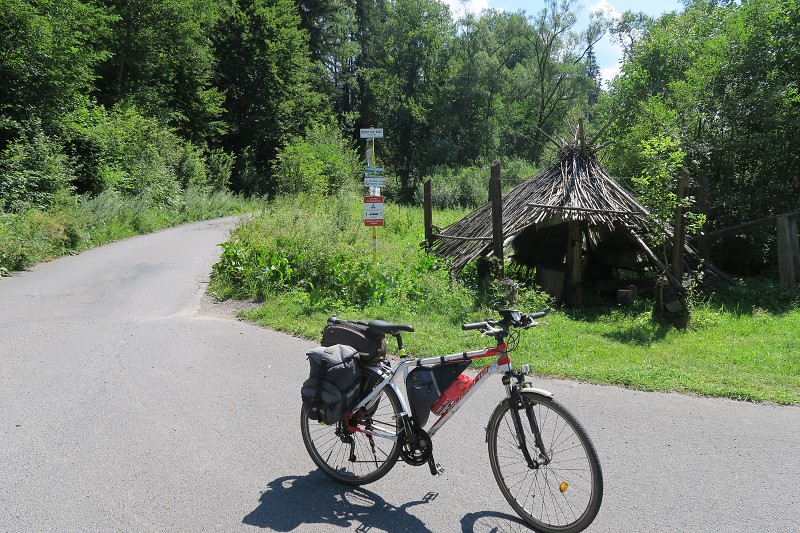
(502, 363)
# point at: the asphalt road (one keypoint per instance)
(128, 402)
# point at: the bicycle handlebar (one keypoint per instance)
(509, 318)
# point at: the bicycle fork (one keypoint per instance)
(515, 405)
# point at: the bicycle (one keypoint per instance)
(542, 458)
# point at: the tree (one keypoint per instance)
(332, 29)
(593, 73)
(405, 81)
(722, 77)
(48, 51)
(162, 61)
(486, 55)
(264, 72)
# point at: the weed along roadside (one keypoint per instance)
(307, 257)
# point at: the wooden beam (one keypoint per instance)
(679, 238)
(702, 205)
(658, 263)
(586, 209)
(742, 228)
(788, 253)
(428, 214)
(603, 129)
(496, 199)
(574, 253)
(453, 237)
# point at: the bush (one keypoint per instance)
(74, 223)
(469, 187)
(134, 155)
(33, 171)
(320, 163)
(294, 246)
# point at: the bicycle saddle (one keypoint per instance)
(386, 328)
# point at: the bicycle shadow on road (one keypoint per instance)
(492, 522)
(292, 501)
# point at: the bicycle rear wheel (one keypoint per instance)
(562, 495)
(352, 457)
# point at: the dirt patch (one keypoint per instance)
(228, 309)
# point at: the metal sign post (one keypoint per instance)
(374, 180)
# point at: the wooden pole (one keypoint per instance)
(657, 262)
(702, 204)
(574, 262)
(788, 253)
(496, 199)
(428, 209)
(747, 226)
(679, 239)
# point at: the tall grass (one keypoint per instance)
(76, 223)
(307, 258)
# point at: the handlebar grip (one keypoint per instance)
(540, 314)
(476, 325)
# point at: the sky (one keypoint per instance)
(608, 54)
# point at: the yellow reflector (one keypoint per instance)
(563, 487)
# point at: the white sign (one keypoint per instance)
(373, 210)
(371, 133)
(371, 181)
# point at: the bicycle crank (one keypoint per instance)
(417, 449)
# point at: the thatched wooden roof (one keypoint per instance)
(575, 188)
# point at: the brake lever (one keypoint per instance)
(534, 324)
(491, 332)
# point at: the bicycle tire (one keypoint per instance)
(327, 446)
(562, 496)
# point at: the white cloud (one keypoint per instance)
(608, 73)
(608, 53)
(605, 8)
(459, 8)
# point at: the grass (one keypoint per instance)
(79, 223)
(742, 343)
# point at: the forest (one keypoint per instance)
(107, 100)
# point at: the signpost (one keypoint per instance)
(373, 211)
(371, 133)
(375, 180)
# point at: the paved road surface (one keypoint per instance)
(127, 403)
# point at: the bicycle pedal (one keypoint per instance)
(436, 468)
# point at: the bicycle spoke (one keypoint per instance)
(560, 493)
(352, 456)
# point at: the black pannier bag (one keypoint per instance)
(371, 347)
(332, 387)
(425, 384)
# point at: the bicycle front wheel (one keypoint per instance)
(564, 493)
(352, 457)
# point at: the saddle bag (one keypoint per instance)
(371, 347)
(425, 384)
(332, 387)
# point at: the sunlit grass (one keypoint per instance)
(743, 341)
(77, 223)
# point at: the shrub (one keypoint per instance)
(321, 162)
(294, 246)
(33, 170)
(469, 186)
(134, 155)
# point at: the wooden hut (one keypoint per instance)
(573, 223)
